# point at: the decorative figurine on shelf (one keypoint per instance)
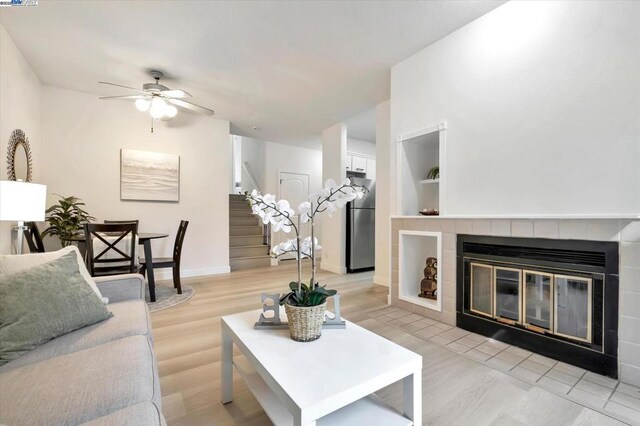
(429, 285)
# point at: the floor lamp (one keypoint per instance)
(22, 202)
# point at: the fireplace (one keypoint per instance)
(558, 298)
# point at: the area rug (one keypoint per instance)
(167, 296)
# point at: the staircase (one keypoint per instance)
(247, 248)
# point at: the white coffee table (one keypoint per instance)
(327, 382)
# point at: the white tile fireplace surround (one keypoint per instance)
(439, 240)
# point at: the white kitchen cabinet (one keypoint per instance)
(359, 164)
(371, 168)
(349, 162)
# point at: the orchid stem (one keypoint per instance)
(313, 253)
(299, 257)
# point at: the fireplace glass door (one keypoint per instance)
(538, 299)
(573, 307)
(482, 289)
(507, 293)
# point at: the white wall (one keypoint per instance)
(361, 147)
(20, 92)
(542, 103)
(334, 151)
(383, 145)
(84, 136)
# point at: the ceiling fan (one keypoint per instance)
(159, 100)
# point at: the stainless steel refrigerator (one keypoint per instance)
(361, 226)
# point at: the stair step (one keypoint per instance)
(248, 251)
(241, 212)
(240, 241)
(239, 205)
(249, 262)
(236, 231)
(244, 220)
(236, 197)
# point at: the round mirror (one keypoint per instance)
(19, 165)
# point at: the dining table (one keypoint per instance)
(144, 239)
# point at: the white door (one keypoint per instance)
(293, 187)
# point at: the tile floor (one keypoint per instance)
(599, 393)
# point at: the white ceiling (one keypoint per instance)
(291, 68)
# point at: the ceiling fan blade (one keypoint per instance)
(176, 93)
(193, 107)
(125, 97)
(120, 85)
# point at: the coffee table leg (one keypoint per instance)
(299, 420)
(412, 386)
(227, 366)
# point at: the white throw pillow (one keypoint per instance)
(12, 263)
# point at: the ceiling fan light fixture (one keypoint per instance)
(158, 108)
(143, 105)
(170, 111)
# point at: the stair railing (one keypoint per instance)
(266, 229)
(247, 168)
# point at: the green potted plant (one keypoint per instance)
(305, 304)
(66, 218)
(434, 173)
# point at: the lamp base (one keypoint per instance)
(20, 229)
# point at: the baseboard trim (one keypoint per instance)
(166, 274)
(341, 270)
(381, 280)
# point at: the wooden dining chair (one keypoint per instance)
(170, 262)
(111, 260)
(136, 221)
(34, 239)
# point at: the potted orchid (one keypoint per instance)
(305, 304)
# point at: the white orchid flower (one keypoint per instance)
(285, 208)
(269, 199)
(330, 184)
(304, 210)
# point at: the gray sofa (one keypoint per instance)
(103, 374)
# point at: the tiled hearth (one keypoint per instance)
(625, 232)
(600, 393)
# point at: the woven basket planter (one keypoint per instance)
(305, 322)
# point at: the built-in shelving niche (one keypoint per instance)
(418, 152)
(414, 249)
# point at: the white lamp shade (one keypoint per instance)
(22, 201)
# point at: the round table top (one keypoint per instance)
(142, 236)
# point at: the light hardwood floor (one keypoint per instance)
(457, 390)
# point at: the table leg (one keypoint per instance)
(148, 257)
(299, 420)
(226, 375)
(412, 387)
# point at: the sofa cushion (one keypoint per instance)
(143, 414)
(44, 302)
(12, 263)
(81, 386)
(130, 318)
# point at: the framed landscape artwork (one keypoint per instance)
(149, 176)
